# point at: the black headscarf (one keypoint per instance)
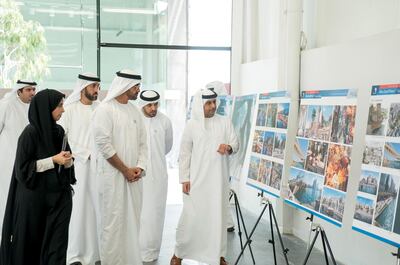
(40, 109)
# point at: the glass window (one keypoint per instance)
(70, 32)
(139, 22)
(207, 66)
(210, 22)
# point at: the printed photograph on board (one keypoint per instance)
(258, 141)
(391, 155)
(386, 201)
(364, 210)
(261, 115)
(373, 153)
(276, 175)
(283, 116)
(268, 146)
(332, 203)
(338, 167)
(394, 121)
(264, 171)
(302, 120)
(271, 115)
(317, 154)
(299, 154)
(279, 145)
(319, 122)
(305, 188)
(343, 122)
(369, 182)
(377, 117)
(254, 167)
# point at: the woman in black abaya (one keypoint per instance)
(35, 226)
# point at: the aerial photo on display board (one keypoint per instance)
(242, 116)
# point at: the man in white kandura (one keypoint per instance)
(155, 184)
(219, 88)
(13, 120)
(83, 244)
(121, 141)
(207, 141)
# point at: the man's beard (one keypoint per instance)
(90, 97)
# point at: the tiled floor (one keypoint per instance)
(261, 248)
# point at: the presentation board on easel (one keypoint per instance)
(319, 173)
(268, 143)
(242, 115)
(377, 211)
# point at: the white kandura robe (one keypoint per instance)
(83, 237)
(13, 120)
(201, 233)
(155, 185)
(119, 129)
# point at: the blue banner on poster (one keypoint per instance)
(318, 94)
(382, 90)
(277, 94)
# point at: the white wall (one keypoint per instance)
(328, 22)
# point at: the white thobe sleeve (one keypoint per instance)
(168, 136)
(2, 115)
(143, 149)
(185, 155)
(102, 130)
(233, 139)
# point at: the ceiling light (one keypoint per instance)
(130, 11)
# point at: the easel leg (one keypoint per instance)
(285, 250)
(272, 241)
(329, 247)
(311, 218)
(238, 223)
(240, 215)
(311, 247)
(323, 244)
(251, 234)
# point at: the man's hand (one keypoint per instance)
(186, 187)
(137, 172)
(224, 149)
(132, 174)
(62, 158)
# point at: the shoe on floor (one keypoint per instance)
(231, 229)
(223, 261)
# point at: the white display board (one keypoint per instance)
(319, 174)
(377, 211)
(268, 145)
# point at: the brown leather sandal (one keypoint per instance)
(175, 260)
(223, 261)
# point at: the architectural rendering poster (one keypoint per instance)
(225, 104)
(242, 116)
(377, 211)
(269, 142)
(319, 173)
